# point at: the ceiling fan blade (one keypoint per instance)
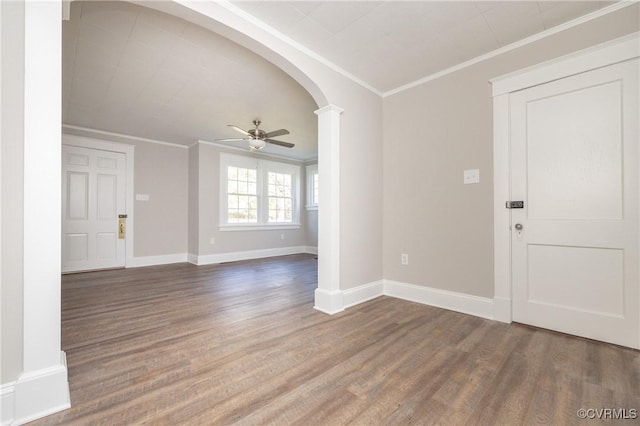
(244, 132)
(276, 133)
(275, 142)
(232, 139)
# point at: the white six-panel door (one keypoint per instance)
(574, 163)
(93, 195)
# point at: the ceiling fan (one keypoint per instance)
(258, 138)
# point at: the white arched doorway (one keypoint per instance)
(236, 25)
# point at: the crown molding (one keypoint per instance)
(120, 135)
(515, 45)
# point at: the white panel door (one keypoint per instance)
(574, 163)
(93, 196)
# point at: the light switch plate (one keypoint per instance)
(471, 176)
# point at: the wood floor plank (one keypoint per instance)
(240, 343)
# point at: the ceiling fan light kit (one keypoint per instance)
(258, 138)
(256, 144)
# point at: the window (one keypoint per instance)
(312, 187)
(256, 193)
(242, 195)
(280, 198)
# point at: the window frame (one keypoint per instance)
(262, 167)
(311, 171)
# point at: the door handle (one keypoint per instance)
(519, 227)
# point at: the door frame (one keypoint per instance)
(614, 51)
(129, 152)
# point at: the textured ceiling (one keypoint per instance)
(136, 71)
(388, 44)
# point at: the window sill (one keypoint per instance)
(259, 227)
(312, 207)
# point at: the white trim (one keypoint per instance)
(37, 394)
(608, 53)
(338, 301)
(614, 51)
(263, 168)
(129, 152)
(502, 309)
(310, 171)
(459, 302)
(210, 259)
(7, 402)
(252, 153)
(515, 45)
(328, 301)
(121, 135)
(163, 259)
(303, 49)
(501, 215)
(311, 250)
(258, 227)
(363, 293)
(192, 258)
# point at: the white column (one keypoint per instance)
(42, 389)
(328, 296)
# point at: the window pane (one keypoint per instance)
(242, 174)
(232, 187)
(232, 173)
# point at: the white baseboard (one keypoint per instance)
(355, 296)
(7, 402)
(163, 259)
(311, 250)
(36, 394)
(210, 259)
(329, 302)
(467, 304)
(337, 301)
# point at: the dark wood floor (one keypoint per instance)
(241, 343)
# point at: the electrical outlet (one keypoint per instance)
(471, 176)
(212, 240)
(282, 236)
(404, 259)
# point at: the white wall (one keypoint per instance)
(435, 131)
